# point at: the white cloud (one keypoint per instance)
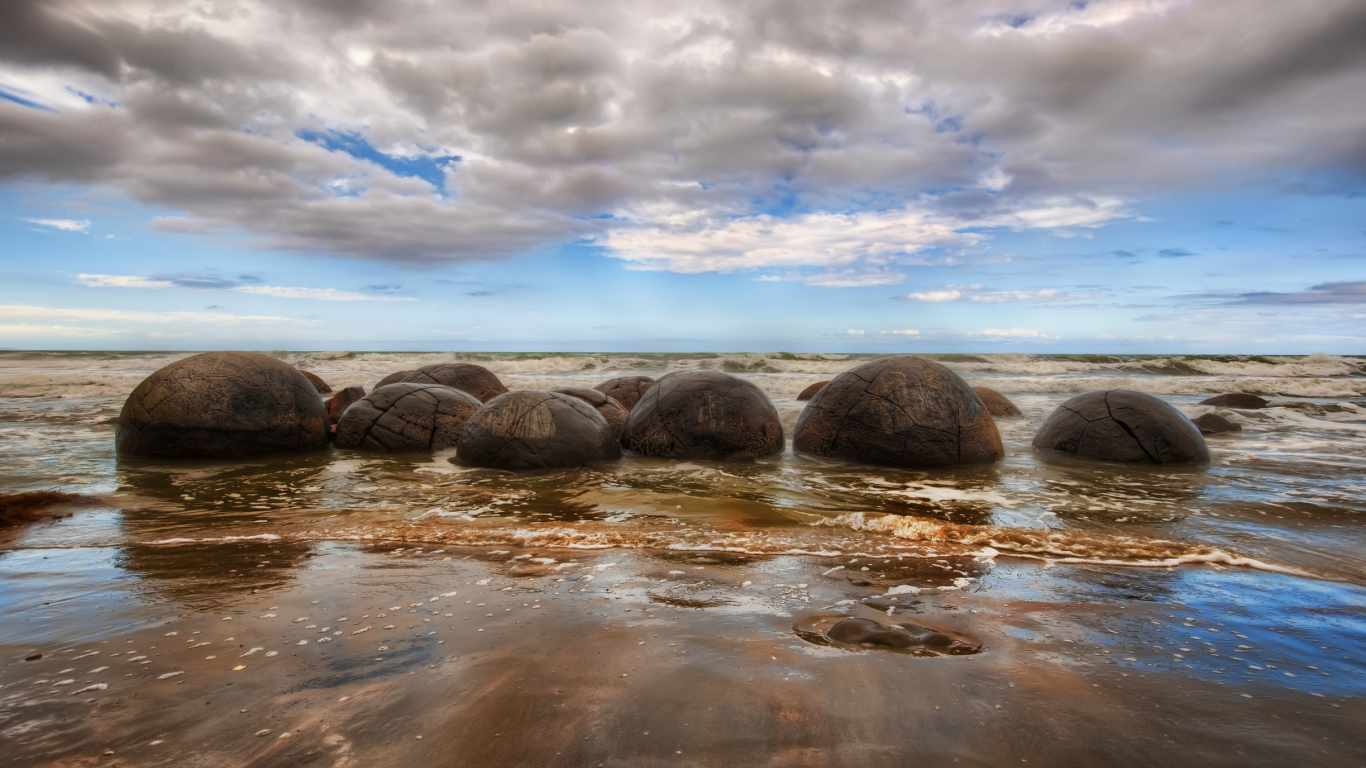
(854, 332)
(66, 225)
(20, 330)
(1010, 333)
(21, 312)
(907, 332)
(976, 294)
(323, 294)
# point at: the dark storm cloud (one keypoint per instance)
(573, 117)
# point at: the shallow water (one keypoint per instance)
(1070, 575)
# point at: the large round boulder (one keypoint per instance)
(613, 411)
(530, 429)
(626, 390)
(997, 404)
(899, 412)
(406, 417)
(1122, 425)
(222, 405)
(704, 415)
(474, 379)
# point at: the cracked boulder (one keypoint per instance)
(222, 405)
(626, 390)
(899, 412)
(997, 404)
(1122, 425)
(474, 379)
(615, 413)
(406, 417)
(392, 378)
(704, 415)
(528, 429)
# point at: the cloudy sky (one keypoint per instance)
(860, 175)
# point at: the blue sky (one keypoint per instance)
(1123, 176)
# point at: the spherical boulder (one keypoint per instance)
(626, 390)
(341, 401)
(1237, 400)
(222, 405)
(615, 413)
(1214, 424)
(1122, 425)
(811, 391)
(528, 429)
(392, 378)
(316, 381)
(900, 412)
(406, 417)
(996, 403)
(474, 379)
(704, 415)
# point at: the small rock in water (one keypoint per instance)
(1237, 400)
(1213, 424)
(908, 637)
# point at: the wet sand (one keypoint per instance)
(661, 658)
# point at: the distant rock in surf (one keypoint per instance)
(1122, 425)
(392, 378)
(1213, 424)
(899, 412)
(811, 391)
(997, 404)
(615, 413)
(341, 401)
(222, 405)
(626, 390)
(704, 415)
(406, 417)
(316, 381)
(1237, 400)
(474, 379)
(530, 429)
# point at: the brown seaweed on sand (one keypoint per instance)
(31, 506)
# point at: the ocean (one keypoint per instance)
(1152, 605)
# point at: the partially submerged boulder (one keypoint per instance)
(222, 405)
(406, 417)
(1122, 425)
(704, 415)
(902, 412)
(316, 381)
(626, 390)
(528, 429)
(811, 391)
(474, 379)
(997, 404)
(1214, 424)
(1237, 400)
(613, 411)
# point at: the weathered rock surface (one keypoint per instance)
(474, 379)
(1237, 400)
(901, 412)
(704, 415)
(528, 429)
(1214, 424)
(406, 417)
(392, 378)
(615, 413)
(316, 381)
(997, 404)
(868, 633)
(626, 390)
(1122, 425)
(341, 401)
(811, 391)
(222, 405)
